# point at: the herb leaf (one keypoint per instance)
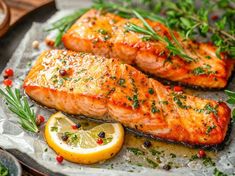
(19, 105)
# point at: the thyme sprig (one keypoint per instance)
(20, 106)
(175, 48)
(231, 100)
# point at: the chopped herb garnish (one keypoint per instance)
(207, 161)
(172, 155)
(3, 170)
(54, 128)
(121, 82)
(154, 108)
(135, 151)
(210, 109)
(152, 163)
(178, 98)
(210, 128)
(151, 91)
(218, 173)
(102, 31)
(155, 152)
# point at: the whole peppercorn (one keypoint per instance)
(201, 153)
(63, 72)
(64, 137)
(59, 159)
(101, 134)
(147, 144)
(166, 167)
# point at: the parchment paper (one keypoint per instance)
(13, 136)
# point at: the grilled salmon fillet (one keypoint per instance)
(105, 34)
(107, 89)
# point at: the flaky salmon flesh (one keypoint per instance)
(105, 34)
(107, 89)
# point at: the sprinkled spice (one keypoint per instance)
(101, 134)
(147, 144)
(166, 167)
(201, 153)
(63, 72)
(99, 141)
(8, 72)
(7, 82)
(64, 137)
(59, 159)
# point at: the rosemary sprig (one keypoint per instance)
(63, 24)
(175, 49)
(231, 100)
(20, 106)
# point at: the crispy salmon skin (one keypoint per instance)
(105, 34)
(80, 83)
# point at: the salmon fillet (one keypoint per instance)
(80, 83)
(105, 34)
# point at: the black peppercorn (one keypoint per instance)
(64, 137)
(101, 134)
(78, 125)
(147, 144)
(167, 167)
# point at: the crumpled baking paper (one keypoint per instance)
(12, 136)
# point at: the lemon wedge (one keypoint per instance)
(83, 146)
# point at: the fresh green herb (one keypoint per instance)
(193, 157)
(54, 129)
(231, 100)
(121, 82)
(192, 20)
(135, 151)
(151, 91)
(154, 108)
(207, 161)
(20, 106)
(178, 99)
(172, 155)
(205, 70)
(155, 152)
(63, 24)
(210, 128)
(152, 163)
(175, 48)
(4, 170)
(107, 140)
(210, 109)
(218, 173)
(102, 31)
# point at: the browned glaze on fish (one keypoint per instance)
(105, 34)
(80, 83)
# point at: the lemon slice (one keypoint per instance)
(83, 146)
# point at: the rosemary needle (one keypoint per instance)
(148, 30)
(20, 106)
